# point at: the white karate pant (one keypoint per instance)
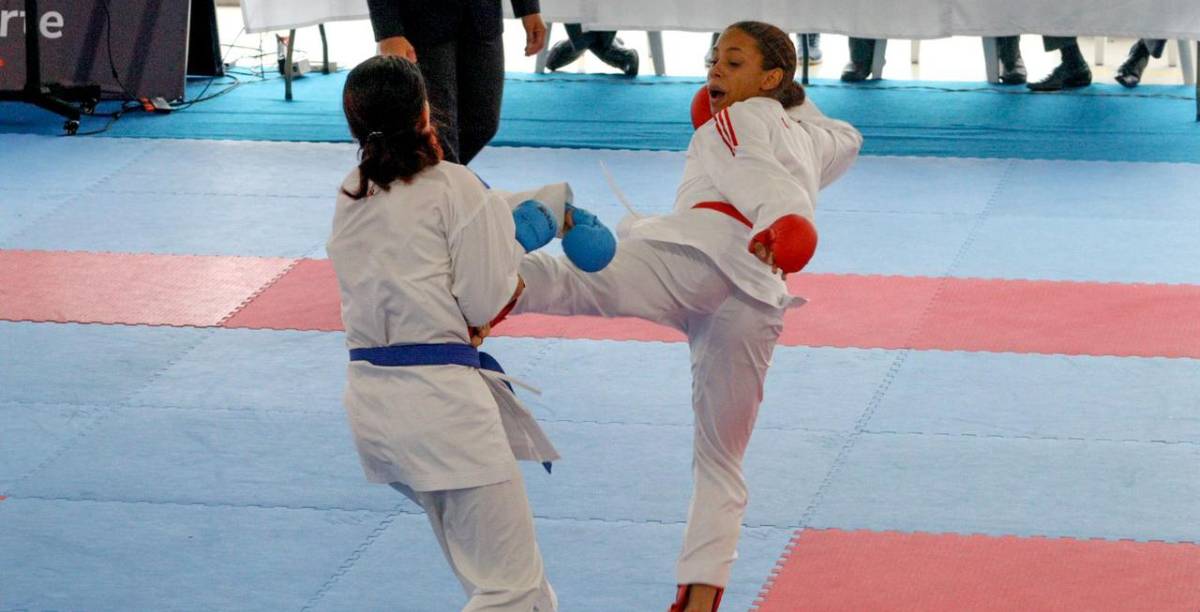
(731, 337)
(487, 536)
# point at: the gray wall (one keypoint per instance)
(149, 44)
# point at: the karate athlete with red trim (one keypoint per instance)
(714, 269)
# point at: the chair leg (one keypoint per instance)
(287, 66)
(539, 64)
(1185, 62)
(1099, 42)
(656, 53)
(877, 61)
(915, 52)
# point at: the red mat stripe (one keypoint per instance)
(863, 570)
(78, 287)
(862, 311)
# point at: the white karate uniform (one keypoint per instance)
(692, 270)
(416, 265)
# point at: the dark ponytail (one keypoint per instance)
(384, 100)
(778, 52)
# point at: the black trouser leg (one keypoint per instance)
(439, 67)
(480, 89)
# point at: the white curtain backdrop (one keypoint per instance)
(1171, 19)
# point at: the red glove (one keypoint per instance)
(701, 109)
(792, 240)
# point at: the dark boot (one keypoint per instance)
(562, 54)
(862, 53)
(1072, 73)
(1012, 67)
(617, 55)
(1130, 72)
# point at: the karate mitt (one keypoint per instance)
(536, 225)
(589, 244)
(701, 109)
(792, 240)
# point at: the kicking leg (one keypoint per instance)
(658, 282)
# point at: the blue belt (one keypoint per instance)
(404, 355)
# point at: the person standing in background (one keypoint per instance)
(460, 50)
(604, 44)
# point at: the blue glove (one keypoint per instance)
(536, 226)
(589, 244)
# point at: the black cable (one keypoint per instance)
(112, 65)
(125, 106)
(186, 104)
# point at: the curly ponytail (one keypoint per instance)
(385, 104)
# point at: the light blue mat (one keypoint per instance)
(997, 486)
(1044, 396)
(85, 364)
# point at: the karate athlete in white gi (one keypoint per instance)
(712, 270)
(423, 252)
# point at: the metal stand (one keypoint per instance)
(34, 92)
(288, 67)
(804, 59)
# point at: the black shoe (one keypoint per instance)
(862, 54)
(1012, 67)
(562, 54)
(619, 56)
(1065, 76)
(1013, 73)
(1130, 72)
(856, 73)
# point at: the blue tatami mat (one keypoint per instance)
(1057, 396)
(102, 556)
(183, 224)
(1052, 220)
(594, 566)
(253, 370)
(653, 382)
(42, 164)
(1107, 190)
(307, 460)
(889, 243)
(85, 364)
(927, 185)
(239, 168)
(215, 457)
(1084, 249)
(997, 486)
(784, 469)
(20, 210)
(600, 111)
(35, 433)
